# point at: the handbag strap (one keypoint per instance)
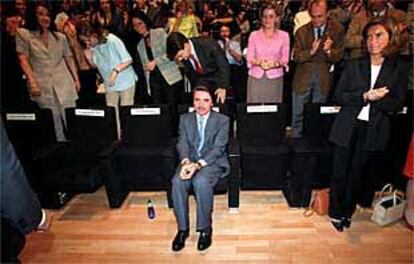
(397, 194)
(309, 210)
(387, 187)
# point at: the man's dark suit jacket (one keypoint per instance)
(354, 81)
(19, 204)
(216, 70)
(214, 150)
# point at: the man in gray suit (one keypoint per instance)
(203, 138)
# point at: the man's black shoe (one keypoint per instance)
(204, 240)
(346, 222)
(179, 240)
(338, 225)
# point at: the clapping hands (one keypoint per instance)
(375, 94)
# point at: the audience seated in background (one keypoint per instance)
(231, 47)
(184, 21)
(376, 8)
(302, 17)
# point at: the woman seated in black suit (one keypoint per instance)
(370, 90)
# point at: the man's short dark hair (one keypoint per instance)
(175, 43)
(203, 88)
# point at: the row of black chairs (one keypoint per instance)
(144, 159)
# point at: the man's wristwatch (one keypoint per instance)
(116, 70)
(199, 166)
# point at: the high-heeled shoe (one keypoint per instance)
(338, 225)
(346, 222)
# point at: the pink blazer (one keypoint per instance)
(260, 47)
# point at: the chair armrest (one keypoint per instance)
(234, 177)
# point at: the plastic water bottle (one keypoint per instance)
(150, 210)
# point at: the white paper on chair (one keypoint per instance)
(403, 111)
(262, 109)
(146, 111)
(90, 112)
(21, 116)
(330, 109)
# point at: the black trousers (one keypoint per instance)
(348, 174)
(162, 92)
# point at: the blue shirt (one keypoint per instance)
(109, 55)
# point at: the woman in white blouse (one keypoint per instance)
(369, 91)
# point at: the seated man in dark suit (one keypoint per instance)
(21, 212)
(203, 136)
(204, 62)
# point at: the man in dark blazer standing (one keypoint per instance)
(21, 212)
(318, 45)
(201, 147)
(204, 62)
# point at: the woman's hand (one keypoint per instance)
(112, 78)
(150, 66)
(34, 88)
(375, 94)
(77, 85)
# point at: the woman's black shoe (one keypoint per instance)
(338, 225)
(346, 222)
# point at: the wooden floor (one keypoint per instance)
(264, 231)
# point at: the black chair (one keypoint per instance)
(263, 149)
(311, 155)
(401, 131)
(80, 164)
(230, 184)
(33, 136)
(146, 157)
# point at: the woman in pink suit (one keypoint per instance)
(267, 56)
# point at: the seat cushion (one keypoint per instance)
(305, 146)
(269, 150)
(147, 151)
(74, 170)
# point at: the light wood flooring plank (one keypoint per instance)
(265, 230)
